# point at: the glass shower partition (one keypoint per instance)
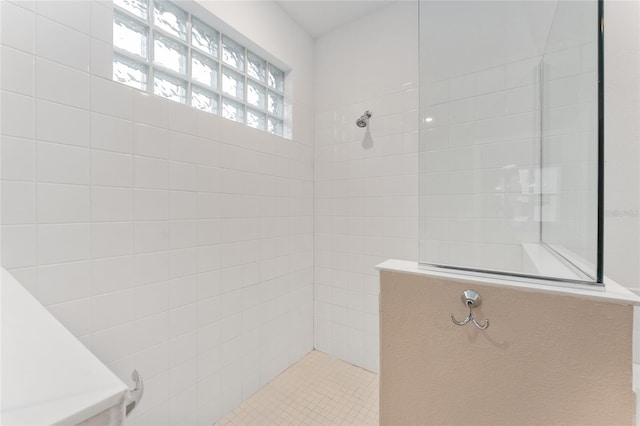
(510, 138)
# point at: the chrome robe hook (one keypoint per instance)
(471, 299)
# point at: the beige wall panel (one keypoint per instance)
(545, 358)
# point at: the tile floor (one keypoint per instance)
(317, 390)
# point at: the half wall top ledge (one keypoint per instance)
(611, 292)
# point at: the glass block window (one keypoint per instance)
(162, 49)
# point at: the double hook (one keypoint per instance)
(471, 299)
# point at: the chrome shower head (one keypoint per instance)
(363, 121)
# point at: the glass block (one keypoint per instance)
(274, 126)
(232, 83)
(130, 72)
(256, 67)
(137, 7)
(232, 53)
(232, 110)
(276, 104)
(204, 70)
(130, 35)
(204, 38)
(170, 87)
(170, 18)
(256, 94)
(276, 78)
(204, 100)
(256, 119)
(170, 54)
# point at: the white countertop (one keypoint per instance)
(48, 376)
(612, 292)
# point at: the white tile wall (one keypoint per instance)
(366, 194)
(185, 254)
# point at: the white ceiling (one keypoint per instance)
(318, 17)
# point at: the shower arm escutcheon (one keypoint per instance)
(471, 299)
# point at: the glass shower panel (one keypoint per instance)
(569, 179)
(483, 189)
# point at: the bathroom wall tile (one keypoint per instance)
(149, 204)
(208, 311)
(111, 204)
(111, 274)
(434, 116)
(111, 169)
(101, 59)
(17, 115)
(182, 348)
(523, 73)
(62, 124)
(183, 319)
(150, 141)
(69, 13)
(182, 291)
(111, 309)
(17, 157)
(113, 343)
(62, 84)
(490, 105)
(74, 315)
(183, 147)
(462, 111)
(111, 98)
(18, 246)
(522, 99)
(462, 87)
(183, 234)
(151, 299)
(57, 163)
(209, 179)
(101, 22)
(151, 268)
(491, 80)
(62, 44)
(183, 377)
(17, 27)
(150, 331)
(562, 91)
(17, 70)
(111, 239)
(150, 109)
(560, 64)
(182, 176)
(184, 406)
(183, 205)
(63, 243)
(111, 133)
(151, 236)
(182, 263)
(63, 203)
(150, 173)
(153, 360)
(63, 282)
(209, 350)
(18, 203)
(182, 118)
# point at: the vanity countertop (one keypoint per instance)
(48, 376)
